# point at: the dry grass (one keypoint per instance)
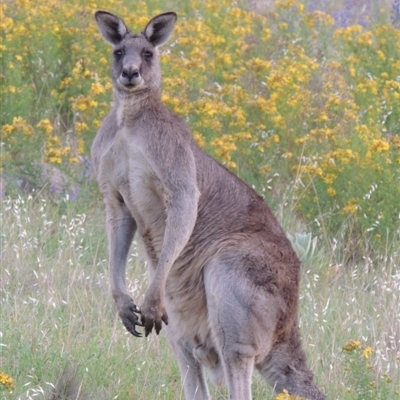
(60, 337)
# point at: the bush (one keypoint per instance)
(290, 95)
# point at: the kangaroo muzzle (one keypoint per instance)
(130, 77)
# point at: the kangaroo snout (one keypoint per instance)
(130, 76)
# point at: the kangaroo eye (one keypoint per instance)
(118, 54)
(148, 55)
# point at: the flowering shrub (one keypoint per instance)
(292, 92)
(363, 382)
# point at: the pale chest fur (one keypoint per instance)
(124, 171)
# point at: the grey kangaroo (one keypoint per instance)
(224, 278)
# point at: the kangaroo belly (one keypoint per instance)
(146, 205)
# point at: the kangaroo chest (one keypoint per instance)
(124, 170)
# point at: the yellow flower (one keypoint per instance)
(279, 122)
(81, 146)
(331, 192)
(333, 100)
(54, 159)
(80, 127)
(243, 135)
(329, 178)
(258, 64)
(323, 117)
(87, 73)
(275, 138)
(367, 351)
(287, 4)
(46, 126)
(349, 32)
(382, 56)
(6, 24)
(288, 155)
(265, 169)
(6, 381)
(380, 145)
(363, 131)
(97, 88)
(224, 145)
(351, 207)
(266, 34)
(286, 396)
(7, 129)
(82, 103)
(66, 151)
(231, 165)
(19, 124)
(352, 345)
(365, 39)
(199, 138)
(242, 30)
(318, 17)
(78, 67)
(267, 106)
(65, 82)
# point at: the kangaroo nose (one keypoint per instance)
(130, 73)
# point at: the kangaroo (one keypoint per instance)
(224, 278)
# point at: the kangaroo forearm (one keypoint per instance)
(180, 224)
(120, 236)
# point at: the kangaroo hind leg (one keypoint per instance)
(192, 373)
(242, 325)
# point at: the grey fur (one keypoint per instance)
(223, 274)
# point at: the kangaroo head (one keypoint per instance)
(135, 64)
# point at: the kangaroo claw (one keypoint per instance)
(127, 313)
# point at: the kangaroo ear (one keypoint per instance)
(111, 27)
(159, 29)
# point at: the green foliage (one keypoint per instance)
(286, 95)
(363, 382)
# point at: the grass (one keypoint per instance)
(60, 332)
